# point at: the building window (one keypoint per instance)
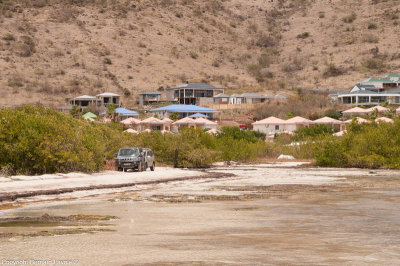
(276, 127)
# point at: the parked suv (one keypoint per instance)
(148, 157)
(134, 158)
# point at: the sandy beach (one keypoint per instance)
(263, 214)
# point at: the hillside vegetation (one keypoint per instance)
(54, 49)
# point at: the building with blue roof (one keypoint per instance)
(184, 110)
(124, 113)
(193, 93)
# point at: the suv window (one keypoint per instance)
(128, 152)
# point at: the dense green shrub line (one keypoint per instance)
(366, 145)
(37, 140)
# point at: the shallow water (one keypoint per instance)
(346, 217)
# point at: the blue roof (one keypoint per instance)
(366, 86)
(123, 111)
(194, 86)
(198, 115)
(187, 108)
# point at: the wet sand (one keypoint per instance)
(269, 214)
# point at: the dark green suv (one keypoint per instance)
(134, 158)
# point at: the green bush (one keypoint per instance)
(366, 145)
(313, 131)
(38, 140)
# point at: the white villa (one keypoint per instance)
(373, 91)
(272, 125)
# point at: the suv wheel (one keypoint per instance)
(153, 166)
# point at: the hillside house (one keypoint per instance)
(373, 91)
(183, 111)
(107, 98)
(149, 97)
(221, 98)
(193, 93)
(84, 101)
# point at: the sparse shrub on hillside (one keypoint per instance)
(25, 47)
(265, 41)
(374, 64)
(295, 64)
(264, 60)
(303, 35)
(333, 71)
(254, 70)
(193, 55)
(8, 37)
(321, 14)
(127, 93)
(15, 81)
(372, 26)
(302, 105)
(142, 45)
(215, 63)
(107, 61)
(369, 38)
(350, 18)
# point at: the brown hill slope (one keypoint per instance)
(50, 50)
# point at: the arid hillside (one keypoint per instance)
(51, 50)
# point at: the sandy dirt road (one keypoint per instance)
(265, 214)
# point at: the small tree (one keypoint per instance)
(174, 116)
(111, 110)
(75, 111)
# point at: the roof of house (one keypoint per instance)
(384, 119)
(90, 115)
(327, 120)
(187, 108)
(372, 79)
(198, 115)
(270, 120)
(150, 93)
(108, 94)
(185, 120)
(379, 108)
(366, 86)
(251, 95)
(386, 80)
(202, 120)
(167, 120)
(221, 95)
(152, 120)
(85, 97)
(269, 96)
(392, 75)
(235, 95)
(130, 121)
(123, 111)
(297, 120)
(194, 86)
(281, 96)
(355, 110)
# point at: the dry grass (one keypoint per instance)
(269, 45)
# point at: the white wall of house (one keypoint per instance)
(268, 128)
